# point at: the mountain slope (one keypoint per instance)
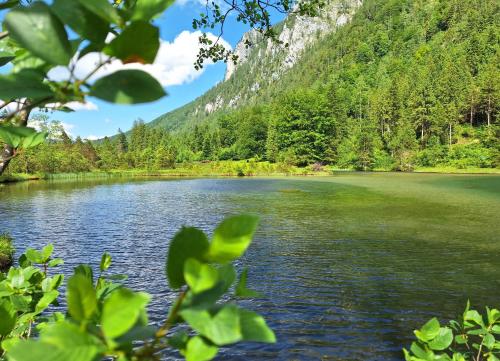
(260, 66)
(386, 84)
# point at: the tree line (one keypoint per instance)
(406, 84)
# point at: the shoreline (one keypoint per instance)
(207, 172)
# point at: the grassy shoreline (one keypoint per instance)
(224, 169)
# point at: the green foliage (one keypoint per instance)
(472, 338)
(128, 86)
(106, 320)
(40, 35)
(33, 26)
(25, 293)
(388, 90)
(6, 251)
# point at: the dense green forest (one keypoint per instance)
(406, 84)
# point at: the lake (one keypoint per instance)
(349, 265)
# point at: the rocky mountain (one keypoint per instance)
(262, 65)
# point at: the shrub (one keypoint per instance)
(105, 320)
(6, 251)
(474, 337)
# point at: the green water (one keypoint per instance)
(349, 264)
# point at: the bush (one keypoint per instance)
(473, 337)
(471, 155)
(6, 251)
(105, 320)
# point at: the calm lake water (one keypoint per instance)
(349, 264)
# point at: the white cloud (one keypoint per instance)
(74, 105)
(92, 137)
(82, 106)
(107, 120)
(173, 64)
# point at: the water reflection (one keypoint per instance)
(350, 265)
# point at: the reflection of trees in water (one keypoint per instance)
(347, 271)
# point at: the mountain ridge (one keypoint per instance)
(264, 62)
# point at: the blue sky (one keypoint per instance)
(176, 73)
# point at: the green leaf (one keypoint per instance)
(55, 262)
(208, 298)
(179, 340)
(7, 317)
(46, 300)
(122, 310)
(187, 243)
(8, 4)
(81, 20)
(493, 315)
(39, 31)
(86, 271)
(461, 339)
(421, 353)
(148, 9)
(221, 329)
(254, 327)
(23, 137)
(241, 289)
(428, 331)
(105, 262)
(200, 277)
(61, 341)
(232, 237)
(24, 84)
(6, 57)
(103, 9)
(474, 316)
(198, 350)
(496, 329)
(34, 140)
(34, 256)
(128, 87)
(138, 43)
(47, 252)
(443, 339)
(82, 301)
(489, 341)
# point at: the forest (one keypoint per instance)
(406, 84)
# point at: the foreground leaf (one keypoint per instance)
(81, 20)
(82, 301)
(39, 31)
(138, 43)
(25, 84)
(187, 243)
(147, 9)
(128, 87)
(232, 237)
(103, 9)
(122, 310)
(199, 276)
(429, 330)
(222, 329)
(254, 327)
(443, 339)
(7, 317)
(61, 341)
(198, 350)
